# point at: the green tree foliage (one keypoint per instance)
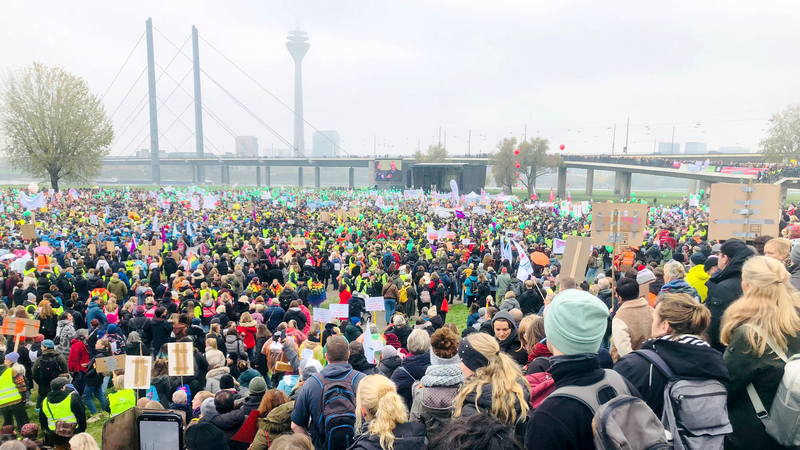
(435, 153)
(53, 126)
(783, 142)
(502, 160)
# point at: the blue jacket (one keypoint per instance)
(94, 311)
(306, 407)
(273, 316)
(468, 284)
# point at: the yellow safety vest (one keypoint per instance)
(59, 412)
(8, 390)
(121, 401)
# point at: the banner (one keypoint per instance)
(454, 190)
(30, 203)
(210, 202)
(524, 271)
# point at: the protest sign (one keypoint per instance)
(137, 372)
(338, 311)
(576, 257)
(181, 359)
(307, 353)
(325, 216)
(299, 243)
(618, 223)
(559, 246)
(322, 316)
(15, 326)
(744, 211)
(110, 363)
(374, 304)
(28, 231)
(109, 246)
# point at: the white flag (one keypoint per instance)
(505, 250)
(369, 347)
(209, 202)
(155, 223)
(30, 203)
(524, 270)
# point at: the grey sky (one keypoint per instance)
(568, 70)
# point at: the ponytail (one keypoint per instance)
(684, 315)
(378, 395)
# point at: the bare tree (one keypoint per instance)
(783, 142)
(54, 128)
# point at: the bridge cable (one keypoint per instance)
(123, 66)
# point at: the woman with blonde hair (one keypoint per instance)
(679, 338)
(780, 249)
(382, 419)
(760, 329)
(493, 383)
(674, 282)
(83, 441)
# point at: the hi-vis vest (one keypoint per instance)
(8, 390)
(58, 412)
(121, 401)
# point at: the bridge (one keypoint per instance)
(622, 183)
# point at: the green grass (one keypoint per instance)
(458, 315)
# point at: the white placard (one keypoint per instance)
(322, 315)
(339, 311)
(137, 372)
(307, 353)
(466, 241)
(559, 246)
(374, 304)
(181, 359)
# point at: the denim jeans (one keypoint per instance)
(96, 392)
(390, 305)
(590, 273)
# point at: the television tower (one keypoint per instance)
(298, 46)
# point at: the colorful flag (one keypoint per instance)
(534, 196)
(524, 270)
(133, 244)
(163, 234)
(194, 262)
(552, 195)
(460, 214)
(74, 194)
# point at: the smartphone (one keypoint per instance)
(160, 431)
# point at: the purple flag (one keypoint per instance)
(163, 234)
(460, 215)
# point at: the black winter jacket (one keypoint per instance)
(412, 369)
(724, 288)
(407, 436)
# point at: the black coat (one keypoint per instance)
(530, 301)
(724, 288)
(296, 315)
(402, 334)
(229, 423)
(415, 367)
(408, 436)
(561, 422)
(686, 359)
(162, 329)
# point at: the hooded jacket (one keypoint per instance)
(408, 436)
(297, 315)
(229, 423)
(273, 316)
(65, 333)
(511, 346)
(530, 301)
(697, 278)
(389, 365)
(724, 287)
(277, 422)
(213, 376)
(161, 329)
(680, 287)
(689, 357)
(118, 288)
(411, 370)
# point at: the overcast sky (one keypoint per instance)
(398, 71)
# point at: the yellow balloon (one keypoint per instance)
(237, 206)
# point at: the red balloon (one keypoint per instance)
(517, 165)
(562, 147)
(516, 151)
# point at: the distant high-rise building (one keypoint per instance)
(298, 46)
(247, 146)
(669, 148)
(325, 144)
(694, 148)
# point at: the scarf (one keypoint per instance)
(443, 372)
(539, 350)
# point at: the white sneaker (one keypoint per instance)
(94, 418)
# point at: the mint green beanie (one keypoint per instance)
(575, 322)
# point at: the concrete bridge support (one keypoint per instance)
(317, 176)
(589, 181)
(300, 177)
(258, 176)
(624, 184)
(194, 173)
(617, 181)
(267, 178)
(352, 177)
(704, 185)
(562, 182)
(225, 172)
(693, 186)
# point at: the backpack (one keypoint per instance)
(542, 385)
(49, 369)
(624, 422)
(337, 404)
(695, 411)
(152, 394)
(473, 287)
(404, 295)
(139, 328)
(425, 296)
(436, 411)
(783, 419)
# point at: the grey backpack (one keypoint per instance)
(695, 411)
(624, 422)
(782, 422)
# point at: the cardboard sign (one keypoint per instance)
(618, 223)
(338, 311)
(299, 242)
(155, 251)
(144, 249)
(576, 258)
(176, 256)
(14, 326)
(322, 315)
(159, 244)
(92, 249)
(341, 215)
(181, 359)
(374, 304)
(744, 211)
(325, 216)
(110, 364)
(28, 231)
(109, 246)
(353, 213)
(137, 372)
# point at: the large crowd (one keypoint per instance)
(677, 341)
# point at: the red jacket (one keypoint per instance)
(249, 336)
(344, 297)
(78, 355)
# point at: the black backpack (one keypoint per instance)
(337, 420)
(49, 369)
